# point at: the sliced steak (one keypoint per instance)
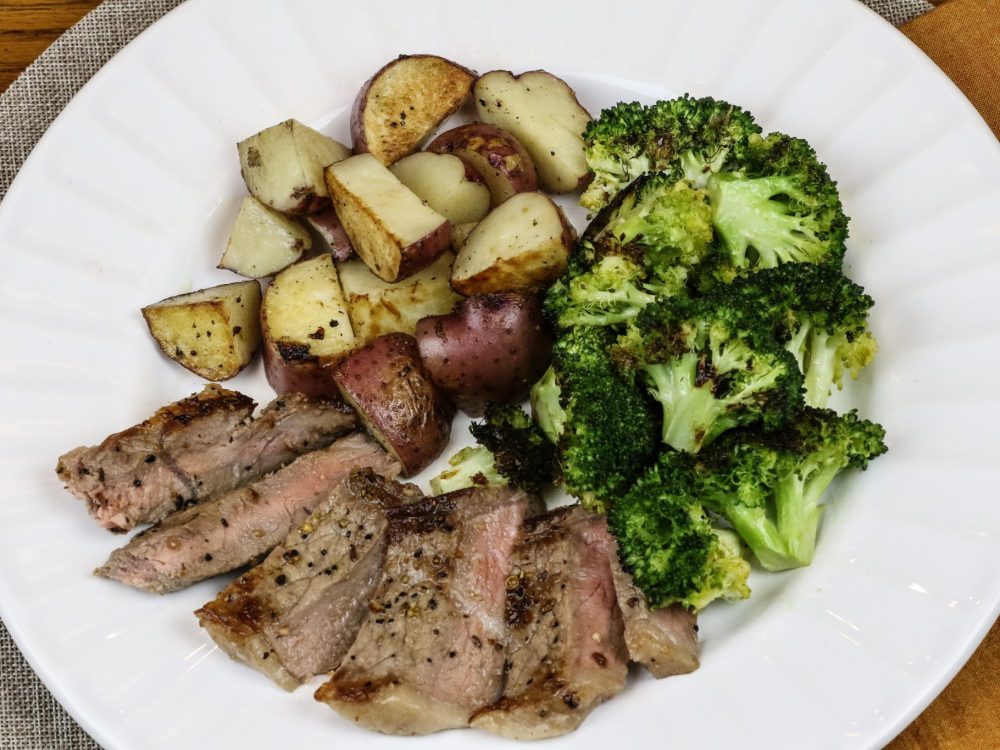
(566, 651)
(195, 448)
(241, 526)
(432, 651)
(297, 613)
(664, 641)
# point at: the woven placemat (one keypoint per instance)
(30, 719)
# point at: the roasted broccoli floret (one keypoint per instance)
(769, 485)
(817, 314)
(512, 451)
(609, 293)
(711, 367)
(521, 453)
(470, 467)
(669, 545)
(642, 245)
(604, 427)
(777, 206)
(685, 136)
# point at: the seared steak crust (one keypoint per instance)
(241, 526)
(297, 613)
(432, 650)
(566, 651)
(192, 449)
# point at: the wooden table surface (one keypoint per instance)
(955, 721)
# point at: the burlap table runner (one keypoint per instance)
(30, 719)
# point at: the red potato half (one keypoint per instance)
(404, 102)
(394, 232)
(283, 166)
(447, 184)
(493, 347)
(307, 329)
(543, 113)
(495, 154)
(396, 400)
(522, 245)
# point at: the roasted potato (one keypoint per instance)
(263, 241)
(391, 229)
(283, 166)
(522, 245)
(404, 102)
(377, 307)
(445, 183)
(212, 332)
(542, 112)
(493, 347)
(460, 233)
(307, 330)
(496, 154)
(326, 224)
(396, 400)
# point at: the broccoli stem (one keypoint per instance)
(820, 368)
(545, 403)
(798, 511)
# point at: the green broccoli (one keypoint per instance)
(817, 314)
(669, 545)
(688, 137)
(604, 427)
(769, 485)
(512, 450)
(712, 367)
(470, 467)
(609, 293)
(778, 206)
(522, 454)
(641, 245)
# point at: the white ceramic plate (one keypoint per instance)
(129, 197)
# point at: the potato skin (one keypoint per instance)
(396, 399)
(497, 155)
(493, 347)
(306, 374)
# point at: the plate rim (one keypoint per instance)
(48, 673)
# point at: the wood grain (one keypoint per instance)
(27, 27)
(962, 718)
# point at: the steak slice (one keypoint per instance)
(432, 651)
(195, 448)
(239, 527)
(566, 651)
(297, 613)
(664, 641)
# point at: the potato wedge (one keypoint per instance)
(497, 155)
(377, 307)
(542, 112)
(404, 102)
(212, 332)
(326, 224)
(306, 328)
(396, 400)
(392, 230)
(522, 245)
(493, 347)
(263, 241)
(445, 183)
(283, 166)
